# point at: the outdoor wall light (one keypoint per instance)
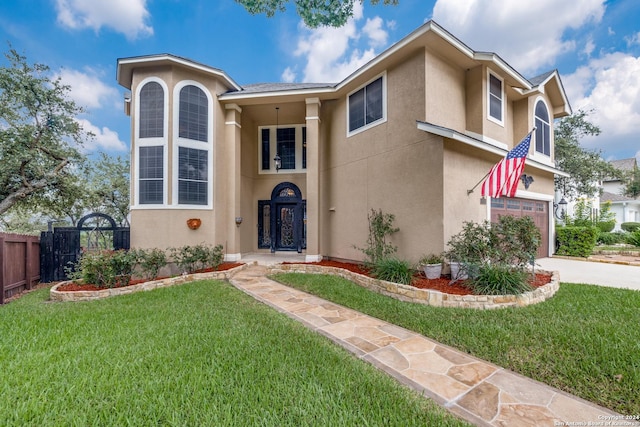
(526, 180)
(562, 206)
(238, 221)
(278, 162)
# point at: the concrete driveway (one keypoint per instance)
(595, 273)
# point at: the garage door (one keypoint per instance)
(537, 210)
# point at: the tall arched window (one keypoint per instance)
(194, 114)
(543, 129)
(151, 111)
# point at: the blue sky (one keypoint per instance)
(595, 45)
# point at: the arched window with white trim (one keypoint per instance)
(543, 129)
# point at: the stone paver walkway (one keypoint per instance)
(478, 391)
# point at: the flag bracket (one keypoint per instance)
(479, 182)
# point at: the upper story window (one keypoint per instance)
(543, 129)
(193, 176)
(288, 142)
(367, 105)
(193, 114)
(151, 124)
(496, 99)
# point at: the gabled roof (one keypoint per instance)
(625, 164)
(430, 34)
(126, 66)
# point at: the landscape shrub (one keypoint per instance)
(393, 270)
(510, 241)
(609, 239)
(190, 259)
(105, 269)
(576, 241)
(630, 226)
(634, 238)
(606, 226)
(380, 228)
(150, 261)
(493, 279)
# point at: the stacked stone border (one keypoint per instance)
(428, 296)
(56, 295)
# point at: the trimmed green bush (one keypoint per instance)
(576, 241)
(105, 269)
(606, 226)
(630, 226)
(150, 261)
(190, 259)
(500, 280)
(393, 270)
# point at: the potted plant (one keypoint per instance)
(431, 265)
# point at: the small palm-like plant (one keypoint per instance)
(500, 280)
(393, 270)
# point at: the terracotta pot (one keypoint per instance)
(194, 223)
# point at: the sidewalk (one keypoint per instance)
(477, 391)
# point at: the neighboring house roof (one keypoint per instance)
(625, 165)
(611, 197)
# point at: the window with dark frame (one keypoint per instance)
(366, 105)
(286, 147)
(266, 149)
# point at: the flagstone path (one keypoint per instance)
(475, 390)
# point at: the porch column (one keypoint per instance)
(231, 209)
(313, 179)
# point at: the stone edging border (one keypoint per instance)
(56, 295)
(428, 296)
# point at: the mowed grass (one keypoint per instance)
(585, 340)
(199, 354)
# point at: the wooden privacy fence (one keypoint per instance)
(19, 263)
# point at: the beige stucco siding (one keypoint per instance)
(445, 95)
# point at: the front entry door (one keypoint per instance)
(281, 219)
(286, 227)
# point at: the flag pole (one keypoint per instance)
(479, 182)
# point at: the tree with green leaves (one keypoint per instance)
(632, 183)
(586, 168)
(108, 187)
(314, 13)
(39, 134)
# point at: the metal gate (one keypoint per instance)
(60, 248)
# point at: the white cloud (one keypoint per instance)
(124, 16)
(633, 40)
(87, 90)
(105, 139)
(609, 85)
(528, 35)
(288, 75)
(326, 50)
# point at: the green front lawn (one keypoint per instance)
(585, 340)
(197, 354)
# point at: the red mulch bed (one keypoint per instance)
(443, 284)
(71, 287)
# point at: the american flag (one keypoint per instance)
(504, 176)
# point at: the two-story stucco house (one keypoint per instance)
(298, 167)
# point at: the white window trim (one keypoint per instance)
(189, 143)
(503, 109)
(384, 105)
(273, 148)
(151, 142)
(537, 154)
